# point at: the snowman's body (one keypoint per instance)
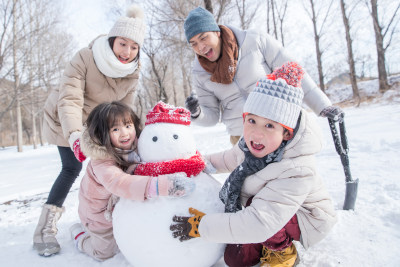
(141, 229)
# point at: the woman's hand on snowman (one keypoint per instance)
(75, 144)
(186, 228)
(171, 185)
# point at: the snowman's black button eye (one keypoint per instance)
(155, 138)
(175, 136)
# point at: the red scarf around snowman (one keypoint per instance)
(164, 113)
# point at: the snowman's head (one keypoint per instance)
(167, 135)
(166, 141)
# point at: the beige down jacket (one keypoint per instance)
(280, 190)
(258, 55)
(82, 88)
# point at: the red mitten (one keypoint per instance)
(74, 141)
(77, 151)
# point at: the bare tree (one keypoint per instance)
(274, 22)
(208, 6)
(350, 58)
(33, 66)
(318, 28)
(278, 11)
(281, 9)
(16, 76)
(245, 19)
(381, 32)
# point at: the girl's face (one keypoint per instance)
(262, 135)
(125, 49)
(122, 135)
(207, 44)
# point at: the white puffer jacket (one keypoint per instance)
(258, 55)
(281, 190)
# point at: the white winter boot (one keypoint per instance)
(77, 234)
(44, 238)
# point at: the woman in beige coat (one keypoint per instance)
(106, 70)
(274, 177)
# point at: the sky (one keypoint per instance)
(367, 236)
(85, 20)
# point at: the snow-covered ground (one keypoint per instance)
(368, 236)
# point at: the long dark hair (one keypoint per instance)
(100, 121)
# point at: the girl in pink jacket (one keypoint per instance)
(110, 140)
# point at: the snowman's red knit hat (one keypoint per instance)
(165, 113)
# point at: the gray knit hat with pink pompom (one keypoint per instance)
(278, 96)
(132, 26)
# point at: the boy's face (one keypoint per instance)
(262, 135)
(207, 44)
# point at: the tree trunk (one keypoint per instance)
(273, 18)
(352, 68)
(33, 95)
(208, 6)
(383, 80)
(268, 12)
(40, 130)
(16, 79)
(317, 48)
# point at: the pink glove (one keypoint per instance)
(74, 141)
(172, 185)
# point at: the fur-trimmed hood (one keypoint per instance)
(91, 149)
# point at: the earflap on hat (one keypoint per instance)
(164, 113)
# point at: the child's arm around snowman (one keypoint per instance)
(135, 187)
(225, 161)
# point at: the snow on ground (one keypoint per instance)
(368, 236)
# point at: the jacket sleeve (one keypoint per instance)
(275, 56)
(226, 161)
(119, 183)
(71, 96)
(272, 207)
(209, 104)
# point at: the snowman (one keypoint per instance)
(141, 229)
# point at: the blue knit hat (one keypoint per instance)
(199, 20)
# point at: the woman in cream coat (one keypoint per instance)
(106, 70)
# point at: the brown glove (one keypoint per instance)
(187, 227)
